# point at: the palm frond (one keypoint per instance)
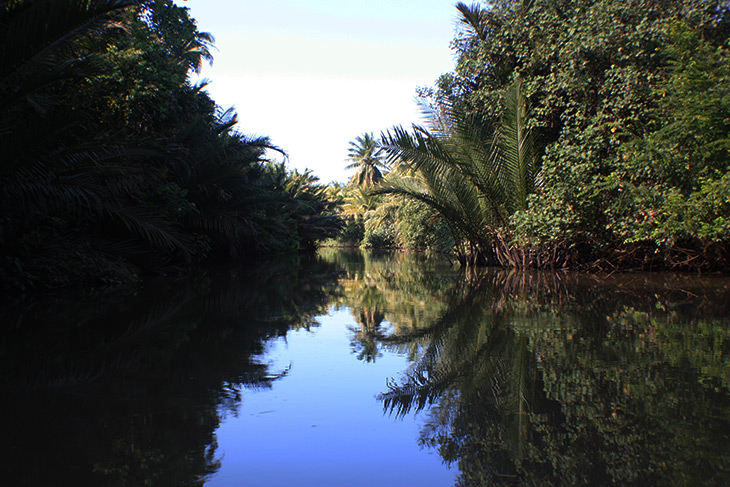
(472, 17)
(474, 173)
(516, 146)
(149, 226)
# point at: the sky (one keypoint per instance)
(312, 75)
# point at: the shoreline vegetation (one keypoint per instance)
(571, 134)
(115, 166)
(584, 134)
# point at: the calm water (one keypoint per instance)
(359, 370)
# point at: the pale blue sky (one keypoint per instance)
(314, 74)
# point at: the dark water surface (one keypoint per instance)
(363, 370)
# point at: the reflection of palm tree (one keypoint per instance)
(368, 314)
(365, 340)
(478, 375)
(403, 289)
(365, 155)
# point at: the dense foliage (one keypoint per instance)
(628, 106)
(114, 164)
(473, 173)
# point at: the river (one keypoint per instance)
(359, 369)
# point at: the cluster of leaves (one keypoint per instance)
(113, 163)
(676, 177)
(629, 104)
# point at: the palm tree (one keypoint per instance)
(475, 174)
(358, 203)
(365, 155)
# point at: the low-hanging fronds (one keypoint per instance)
(474, 173)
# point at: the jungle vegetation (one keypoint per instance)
(584, 133)
(113, 164)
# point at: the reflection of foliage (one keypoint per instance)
(559, 383)
(527, 378)
(129, 391)
(368, 316)
(404, 290)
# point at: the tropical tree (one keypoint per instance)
(623, 183)
(112, 164)
(54, 173)
(474, 173)
(366, 157)
(672, 190)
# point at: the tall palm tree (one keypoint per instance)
(475, 174)
(366, 157)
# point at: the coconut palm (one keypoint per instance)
(366, 157)
(475, 174)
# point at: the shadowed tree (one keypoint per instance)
(113, 165)
(182, 41)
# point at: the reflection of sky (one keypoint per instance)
(321, 425)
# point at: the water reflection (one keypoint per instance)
(550, 379)
(391, 295)
(128, 390)
(523, 378)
